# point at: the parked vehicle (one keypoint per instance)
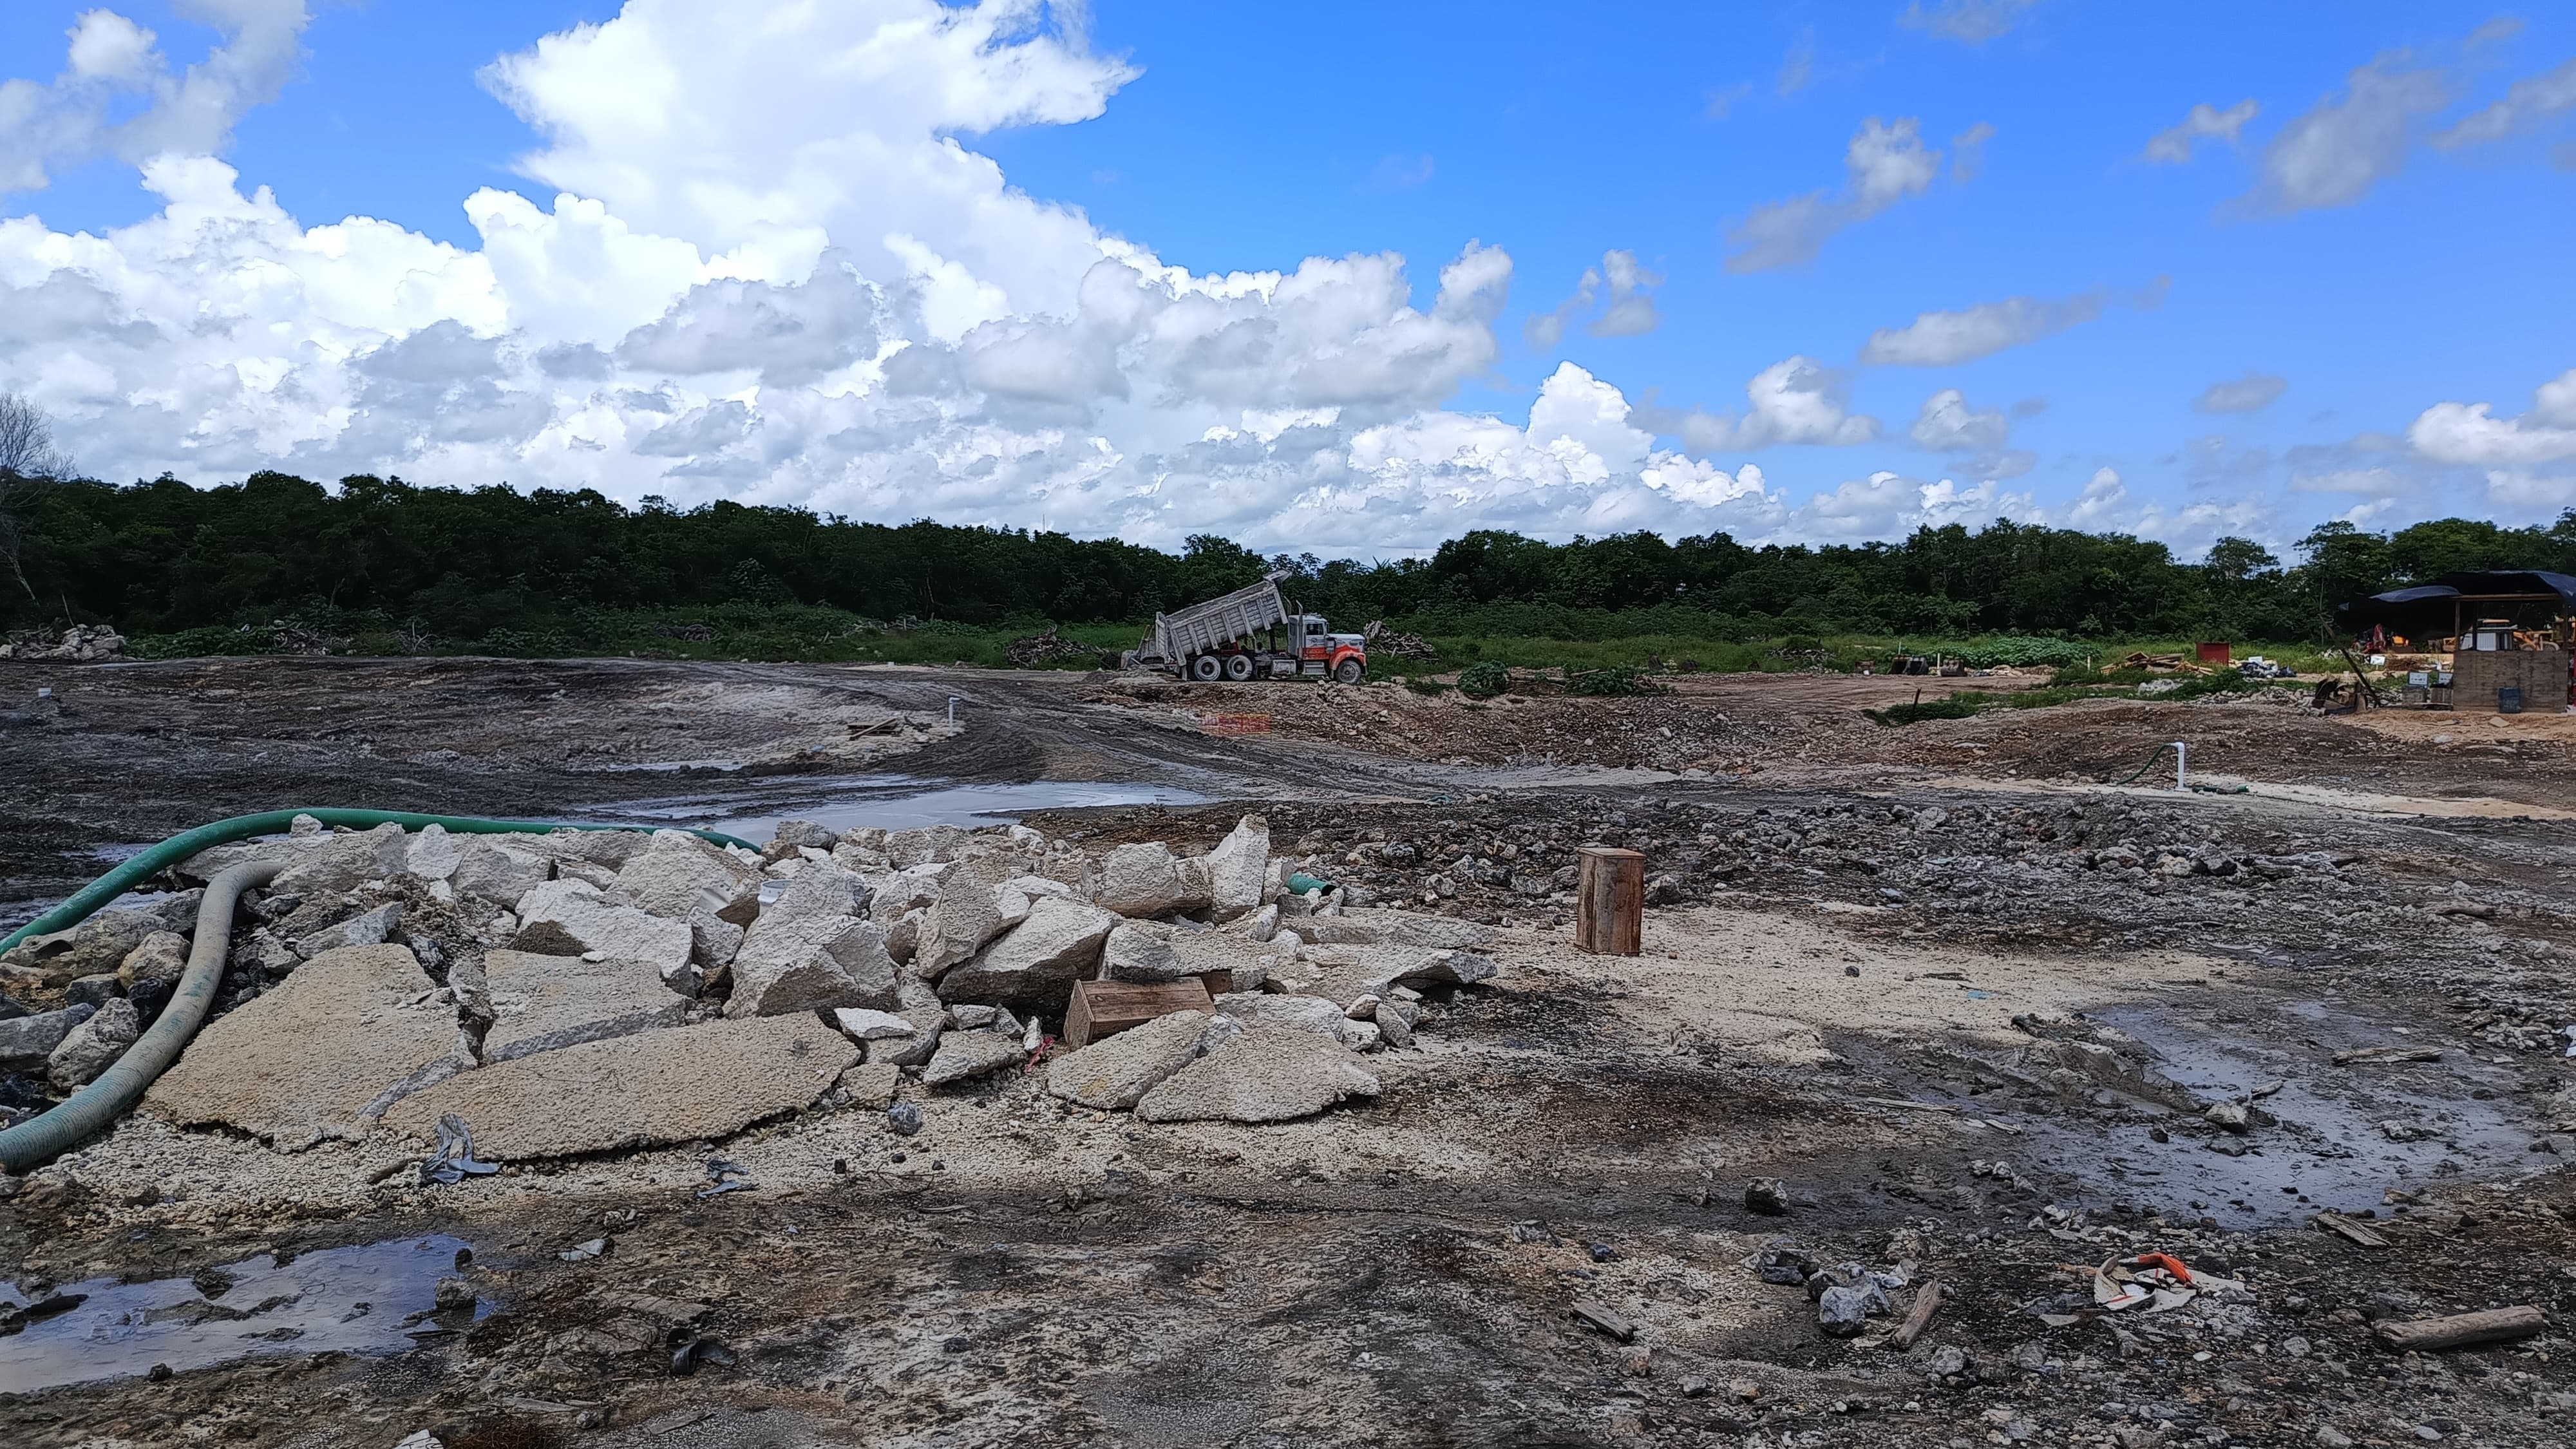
(1252, 633)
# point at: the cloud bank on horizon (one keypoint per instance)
(776, 269)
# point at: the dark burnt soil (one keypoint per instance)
(1304, 1312)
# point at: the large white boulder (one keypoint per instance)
(1236, 869)
(574, 914)
(971, 910)
(346, 862)
(1148, 880)
(812, 948)
(1037, 961)
(488, 870)
(684, 878)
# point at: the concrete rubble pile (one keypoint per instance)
(585, 991)
(78, 644)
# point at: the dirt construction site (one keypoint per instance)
(1973, 1084)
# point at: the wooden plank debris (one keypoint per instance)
(1608, 1320)
(1105, 1008)
(2350, 1230)
(2359, 1055)
(2493, 1325)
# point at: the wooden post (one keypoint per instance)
(1609, 901)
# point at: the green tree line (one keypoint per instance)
(459, 565)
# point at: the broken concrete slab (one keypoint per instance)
(1036, 963)
(1144, 880)
(571, 918)
(367, 928)
(432, 853)
(652, 1089)
(27, 1041)
(1302, 1013)
(347, 862)
(541, 1003)
(610, 848)
(964, 1054)
(98, 944)
(350, 1031)
(1140, 953)
(812, 950)
(94, 1045)
(1112, 1074)
(926, 845)
(1378, 927)
(679, 875)
(968, 914)
(929, 1023)
(862, 1025)
(1237, 867)
(871, 1084)
(488, 870)
(1262, 1074)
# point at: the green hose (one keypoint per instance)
(42, 1138)
(2149, 765)
(271, 822)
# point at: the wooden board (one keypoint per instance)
(1105, 1008)
(1609, 901)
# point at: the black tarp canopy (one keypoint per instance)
(2454, 601)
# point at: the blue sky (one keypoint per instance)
(2293, 316)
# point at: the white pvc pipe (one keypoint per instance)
(2181, 781)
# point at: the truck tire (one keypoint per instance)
(1206, 666)
(1238, 667)
(1348, 671)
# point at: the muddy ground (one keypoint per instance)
(1968, 1012)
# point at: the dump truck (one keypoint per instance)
(1252, 633)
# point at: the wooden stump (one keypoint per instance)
(1102, 1008)
(1609, 901)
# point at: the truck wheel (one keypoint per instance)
(1238, 667)
(1206, 666)
(1348, 671)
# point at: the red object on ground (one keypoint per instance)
(2212, 653)
(2166, 1261)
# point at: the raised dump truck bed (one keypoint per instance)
(1252, 633)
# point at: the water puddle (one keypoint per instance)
(375, 1298)
(753, 809)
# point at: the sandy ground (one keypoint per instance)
(1910, 975)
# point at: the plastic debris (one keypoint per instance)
(454, 1160)
(689, 1349)
(727, 1176)
(584, 1252)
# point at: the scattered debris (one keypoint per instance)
(453, 1160)
(1606, 1319)
(2461, 1330)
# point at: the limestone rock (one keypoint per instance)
(810, 950)
(926, 845)
(573, 913)
(679, 1084)
(1264, 1074)
(94, 1045)
(684, 878)
(540, 1003)
(1140, 953)
(1147, 880)
(1113, 1073)
(98, 944)
(502, 874)
(805, 834)
(964, 1054)
(347, 862)
(163, 956)
(1038, 961)
(967, 914)
(433, 853)
(318, 1055)
(610, 848)
(862, 1025)
(368, 928)
(26, 1041)
(1236, 867)
(929, 1023)
(1300, 1013)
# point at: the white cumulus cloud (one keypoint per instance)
(1884, 164)
(1623, 294)
(2336, 152)
(2526, 102)
(2206, 122)
(2470, 433)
